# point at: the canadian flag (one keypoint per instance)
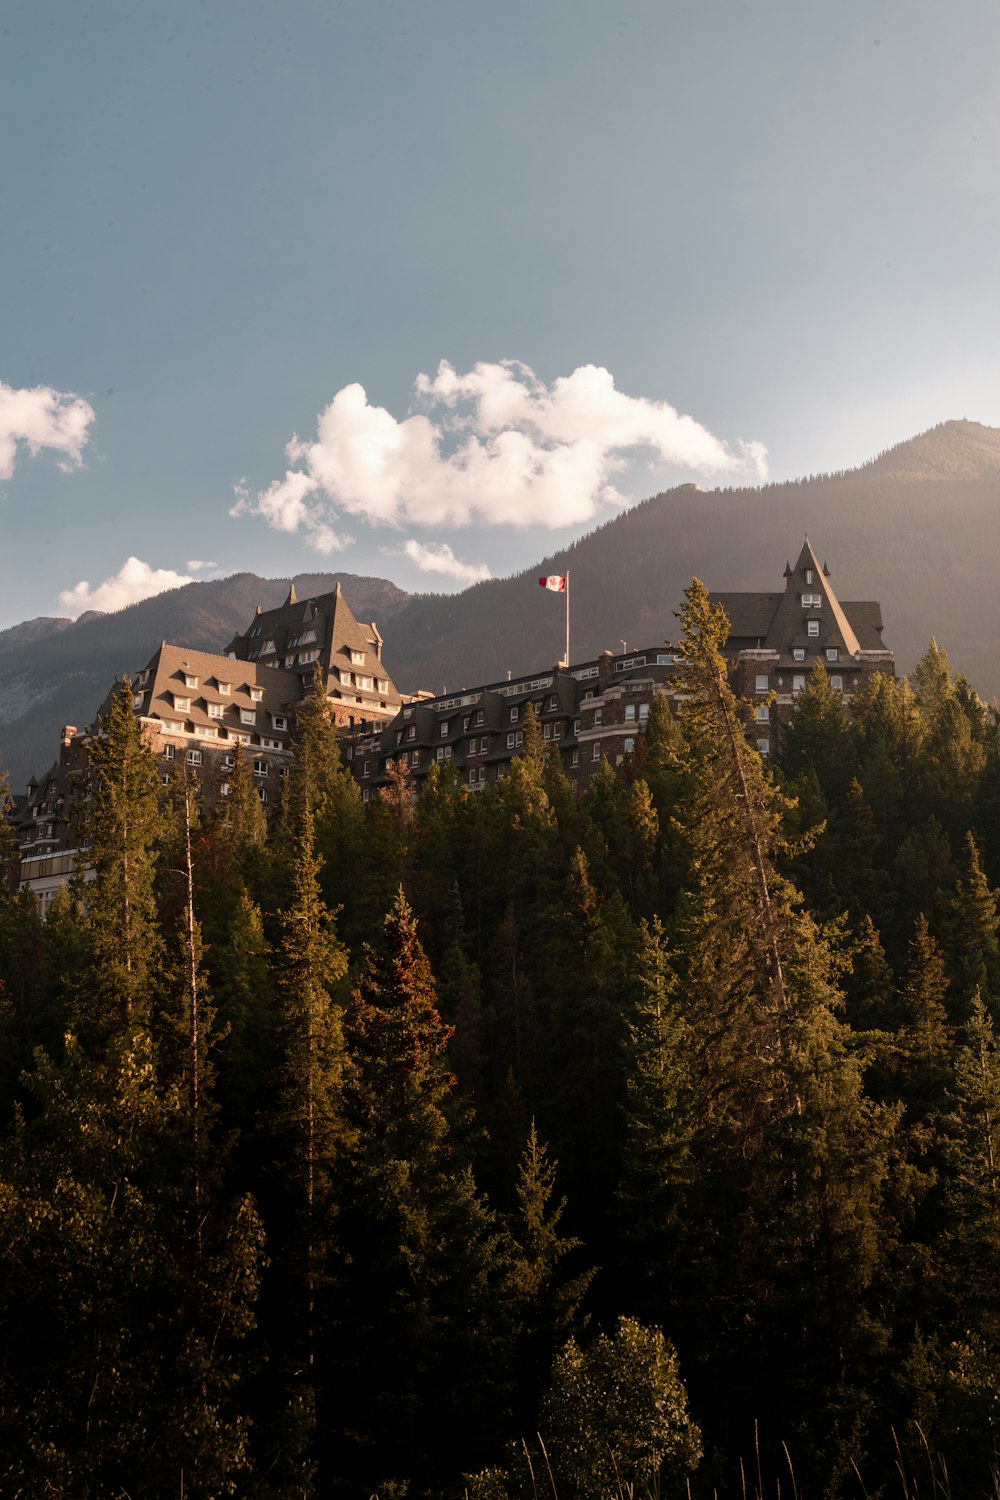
(553, 582)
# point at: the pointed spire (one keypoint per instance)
(788, 572)
(257, 611)
(293, 597)
(826, 570)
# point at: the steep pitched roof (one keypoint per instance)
(779, 622)
(807, 580)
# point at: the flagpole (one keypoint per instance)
(567, 619)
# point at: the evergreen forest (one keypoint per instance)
(516, 1145)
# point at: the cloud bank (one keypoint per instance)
(42, 418)
(437, 557)
(496, 446)
(134, 580)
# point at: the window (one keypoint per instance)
(224, 789)
(256, 694)
(812, 601)
(764, 746)
(799, 683)
(664, 659)
(165, 779)
(182, 705)
(215, 710)
(598, 717)
(444, 730)
(763, 714)
(546, 731)
(576, 726)
(248, 716)
(837, 683)
(137, 699)
(467, 720)
(260, 768)
(480, 717)
(798, 653)
(629, 746)
(383, 684)
(357, 657)
(514, 714)
(809, 575)
(267, 649)
(812, 627)
(189, 681)
(194, 757)
(557, 731)
(280, 723)
(168, 752)
(762, 682)
(308, 636)
(239, 736)
(307, 656)
(643, 712)
(574, 759)
(225, 688)
(228, 762)
(596, 753)
(262, 794)
(365, 682)
(205, 731)
(367, 768)
(630, 713)
(411, 732)
(832, 653)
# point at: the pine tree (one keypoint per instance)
(122, 828)
(416, 1252)
(657, 1162)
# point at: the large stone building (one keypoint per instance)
(776, 639)
(195, 707)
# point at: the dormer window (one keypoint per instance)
(812, 601)
(225, 688)
(256, 694)
(182, 705)
(190, 681)
(308, 636)
(832, 654)
(357, 657)
(798, 653)
(267, 649)
(812, 627)
(280, 723)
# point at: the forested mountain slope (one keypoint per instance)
(918, 529)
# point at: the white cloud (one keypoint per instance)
(134, 580)
(42, 418)
(197, 566)
(495, 445)
(437, 557)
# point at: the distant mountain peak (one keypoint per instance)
(952, 450)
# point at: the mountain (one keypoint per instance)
(917, 528)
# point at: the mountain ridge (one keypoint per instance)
(915, 528)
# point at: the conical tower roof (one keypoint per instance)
(809, 595)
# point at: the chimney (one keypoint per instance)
(68, 734)
(605, 672)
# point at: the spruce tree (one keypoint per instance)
(122, 827)
(414, 1327)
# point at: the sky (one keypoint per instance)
(427, 288)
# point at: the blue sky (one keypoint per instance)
(781, 219)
